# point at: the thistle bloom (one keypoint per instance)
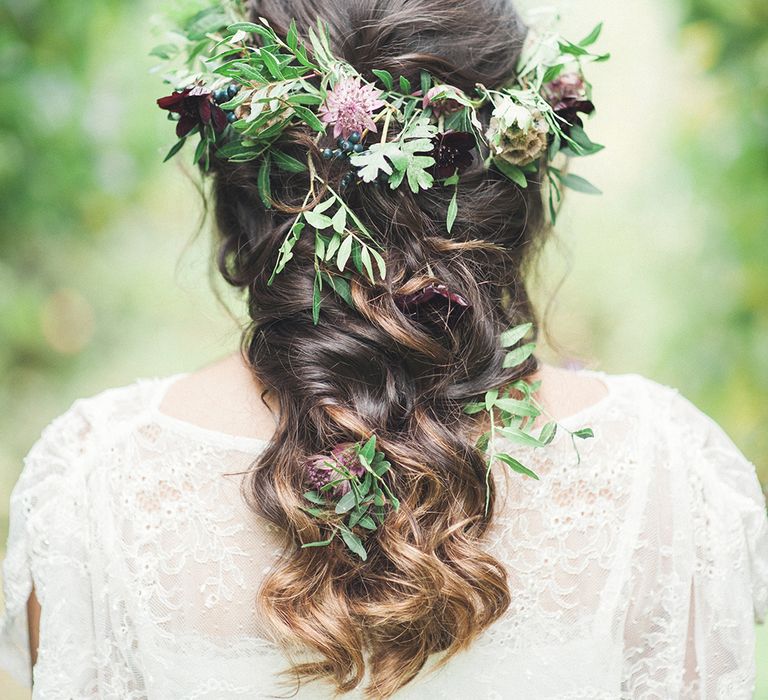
(515, 133)
(196, 107)
(320, 468)
(568, 96)
(452, 151)
(350, 107)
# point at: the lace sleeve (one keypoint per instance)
(44, 526)
(699, 576)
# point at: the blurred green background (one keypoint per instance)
(103, 280)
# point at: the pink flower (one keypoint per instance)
(350, 106)
(320, 472)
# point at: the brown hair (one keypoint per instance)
(428, 585)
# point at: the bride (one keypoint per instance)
(384, 493)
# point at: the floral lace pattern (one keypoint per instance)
(637, 572)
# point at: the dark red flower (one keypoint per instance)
(426, 294)
(452, 151)
(196, 107)
(568, 96)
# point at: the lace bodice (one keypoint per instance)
(637, 572)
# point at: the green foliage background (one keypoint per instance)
(103, 280)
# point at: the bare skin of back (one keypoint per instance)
(225, 397)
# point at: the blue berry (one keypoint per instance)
(358, 148)
(232, 90)
(337, 153)
(231, 117)
(327, 153)
(220, 95)
(347, 180)
(355, 137)
(345, 145)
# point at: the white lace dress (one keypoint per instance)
(636, 573)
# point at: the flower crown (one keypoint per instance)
(240, 99)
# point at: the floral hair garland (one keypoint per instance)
(240, 99)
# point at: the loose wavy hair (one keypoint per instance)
(429, 585)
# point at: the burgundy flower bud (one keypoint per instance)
(441, 105)
(196, 107)
(568, 96)
(407, 302)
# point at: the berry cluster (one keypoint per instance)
(225, 94)
(346, 146)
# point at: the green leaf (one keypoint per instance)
(316, 299)
(519, 436)
(385, 77)
(453, 209)
(552, 73)
(322, 543)
(292, 37)
(285, 251)
(452, 180)
(516, 466)
(318, 221)
(405, 85)
(584, 145)
(287, 163)
(368, 451)
(367, 522)
(343, 255)
(263, 181)
(346, 502)
(490, 398)
(365, 257)
(271, 64)
(548, 433)
(512, 335)
(175, 149)
(341, 287)
(511, 171)
(248, 27)
(426, 82)
(584, 433)
(315, 497)
(516, 407)
(519, 355)
(309, 118)
(592, 37)
(379, 263)
(472, 408)
(579, 184)
(339, 220)
(374, 160)
(354, 544)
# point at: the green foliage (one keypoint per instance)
(512, 417)
(363, 504)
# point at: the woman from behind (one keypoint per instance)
(411, 524)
